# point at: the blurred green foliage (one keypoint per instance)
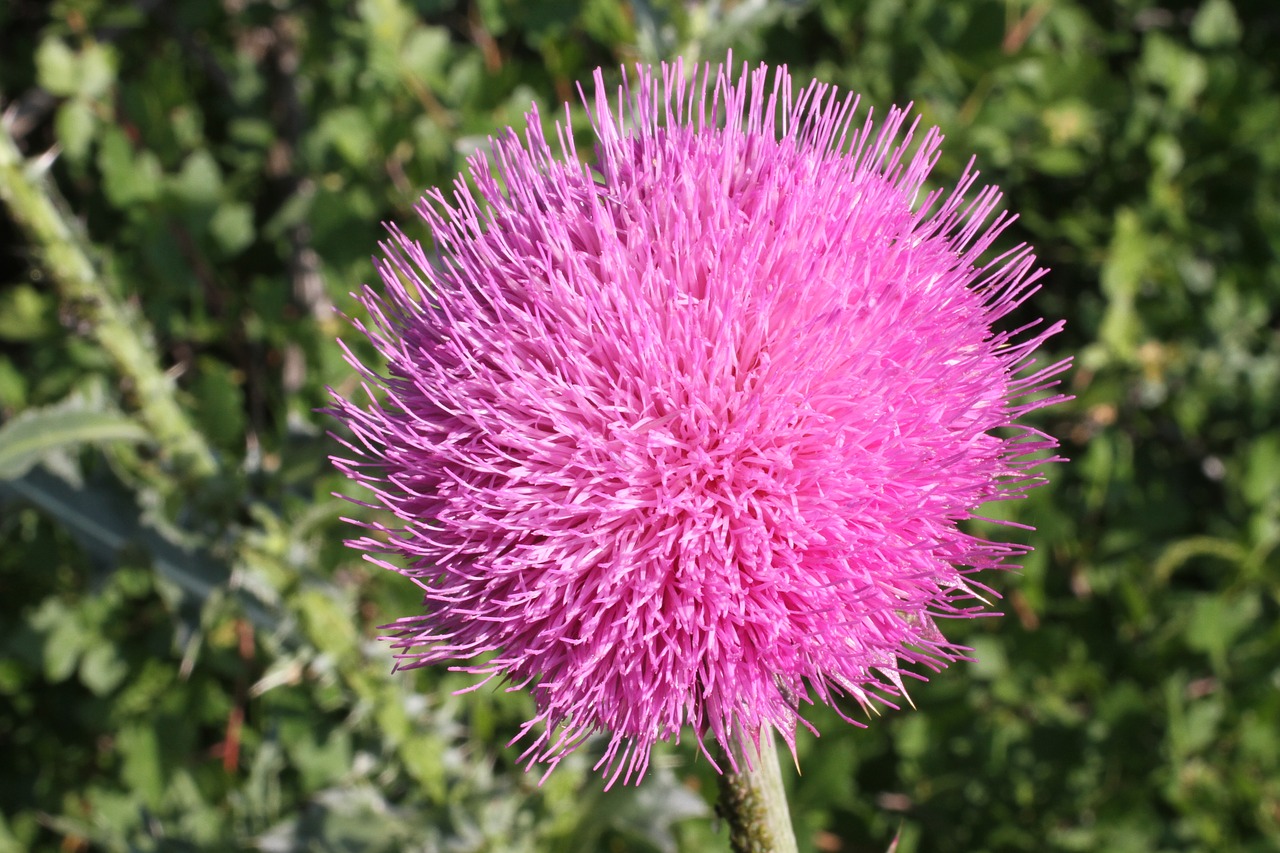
(188, 656)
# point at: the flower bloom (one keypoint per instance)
(685, 436)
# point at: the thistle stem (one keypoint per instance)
(68, 257)
(754, 804)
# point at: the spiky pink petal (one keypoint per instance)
(686, 439)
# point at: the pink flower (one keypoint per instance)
(686, 437)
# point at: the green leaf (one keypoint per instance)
(26, 314)
(990, 661)
(105, 519)
(9, 842)
(143, 771)
(1182, 72)
(328, 622)
(323, 758)
(56, 67)
(1216, 25)
(65, 638)
(97, 72)
(62, 71)
(219, 402)
(102, 669)
(1217, 622)
(609, 21)
(492, 16)
(348, 130)
(425, 55)
(199, 181)
(423, 756)
(25, 439)
(648, 812)
(1122, 274)
(1261, 478)
(76, 125)
(232, 227)
(126, 177)
(350, 817)
(13, 386)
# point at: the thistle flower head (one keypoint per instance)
(682, 433)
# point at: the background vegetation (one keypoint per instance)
(186, 649)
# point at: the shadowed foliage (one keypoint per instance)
(187, 651)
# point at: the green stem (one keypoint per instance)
(67, 256)
(754, 804)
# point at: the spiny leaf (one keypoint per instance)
(25, 439)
